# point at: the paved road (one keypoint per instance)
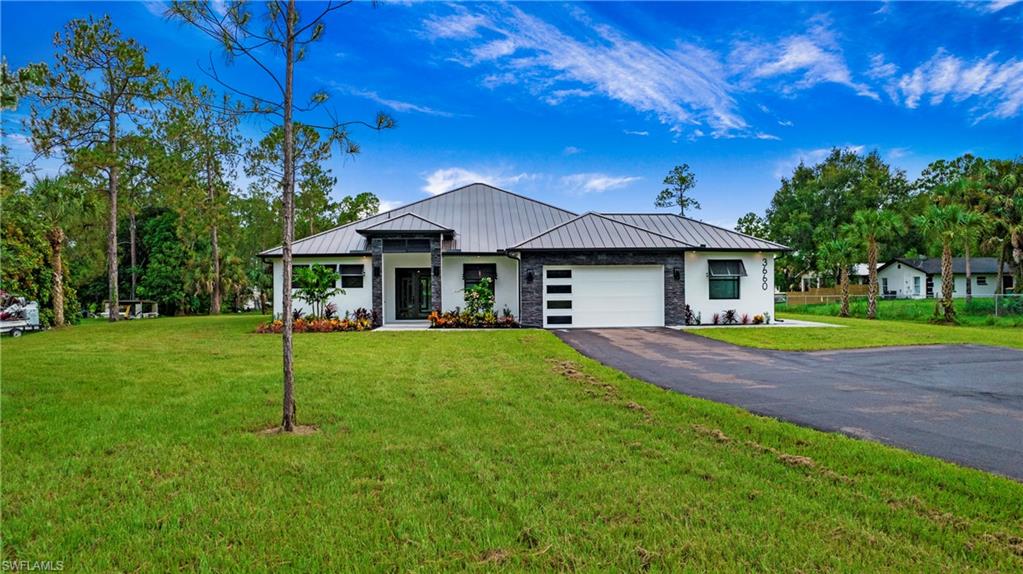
(959, 403)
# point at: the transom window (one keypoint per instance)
(353, 276)
(473, 273)
(724, 276)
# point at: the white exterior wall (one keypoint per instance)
(900, 280)
(352, 299)
(506, 292)
(753, 298)
(960, 285)
(392, 261)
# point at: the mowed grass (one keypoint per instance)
(861, 333)
(978, 313)
(132, 447)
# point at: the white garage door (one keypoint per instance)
(603, 296)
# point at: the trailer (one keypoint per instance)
(20, 317)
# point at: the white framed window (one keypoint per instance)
(981, 280)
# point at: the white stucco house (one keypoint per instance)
(551, 267)
(920, 278)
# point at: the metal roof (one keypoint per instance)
(696, 233)
(932, 265)
(484, 219)
(593, 231)
(410, 222)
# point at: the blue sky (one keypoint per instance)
(587, 106)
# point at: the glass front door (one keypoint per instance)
(412, 296)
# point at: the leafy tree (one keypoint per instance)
(1003, 181)
(840, 253)
(679, 181)
(85, 104)
(317, 284)
(872, 226)
(973, 224)
(945, 224)
(162, 277)
(284, 30)
(752, 224)
(57, 201)
(356, 207)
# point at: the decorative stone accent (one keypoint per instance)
(377, 247)
(531, 294)
(436, 269)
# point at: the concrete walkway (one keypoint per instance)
(960, 403)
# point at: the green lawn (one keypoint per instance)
(979, 313)
(861, 333)
(132, 447)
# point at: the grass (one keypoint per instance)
(133, 447)
(979, 313)
(861, 333)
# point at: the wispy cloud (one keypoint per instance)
(996, 86)
(396, 105)
(785, 166)
(813, 57)
(636, 132)
(995, 5)
(448, 178)
(156, 8)
(682, 85)
(583, 183)
(572, 150)
(785, 123)
(387, 205)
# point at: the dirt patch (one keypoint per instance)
(646, 557)
(715, 434)
(570, 370)
(300, 430)
(798, 461)
(494, 556)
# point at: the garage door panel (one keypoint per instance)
(609, 296)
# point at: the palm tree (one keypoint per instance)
(873, 226)
(972, 224)
(943, 223)
(57, 201)
(839, 253)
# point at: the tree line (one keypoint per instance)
(850, 208)
(146, 204)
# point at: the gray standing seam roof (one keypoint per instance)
(932, 265)
(485, 219)
(410, 222)
(593, 231)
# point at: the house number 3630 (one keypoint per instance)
(764, 283)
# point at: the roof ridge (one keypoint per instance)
(409, 214)
(729, 230)
(602, 216)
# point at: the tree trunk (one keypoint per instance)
(969, 281)
(1000, 278)
(872, 288)
(132, 249)
(1017, 258)
(288, 196)
(215, 295)
(112, 314)
(843, 278)
(56, 246)
(946, 281)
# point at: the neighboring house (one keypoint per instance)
(920, 278)
(859, 274)
(551, 267)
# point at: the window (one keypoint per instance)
(981, 280)
(559, 288)
(724, 278)
(559, 304)
(559, 273)
(353, 276)
(406, 246)
(916, 285)
(884, 285)
(559, 320)
(473, 273)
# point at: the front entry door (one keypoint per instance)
(412, 296)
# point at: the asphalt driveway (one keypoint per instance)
(959, 403)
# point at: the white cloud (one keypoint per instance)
(785, 166)
(558, 96)
(572, 150)
(996, 5)
(636, 133)
(448, 178)
(684, 85)
(814, 57)
(879, 68)
(998, 87)
(582, 183)
(387, 205)
(785, 123)
(766, 136)
(17, 141)
(396, 105)
(156, 8)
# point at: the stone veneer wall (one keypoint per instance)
(435, 281)
(377, 247)
(531, 294)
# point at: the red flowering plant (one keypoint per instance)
(359, 320)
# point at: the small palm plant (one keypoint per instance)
(318, 285)
(872, 226)
(945, 224)
(839, 253)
